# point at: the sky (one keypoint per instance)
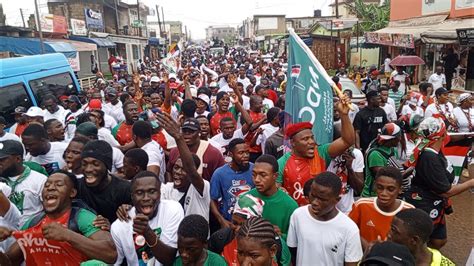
(195, 14)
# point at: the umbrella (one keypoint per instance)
(407, 60)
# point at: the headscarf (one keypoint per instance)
(388, 132)
(249, 206)
(430, 131)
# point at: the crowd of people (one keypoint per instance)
(201, 167)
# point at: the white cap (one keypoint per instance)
(155, 79)
(172, 76)
(194, 91)
(413, 101)
(34, 111)
(204, 98)
(213, 85)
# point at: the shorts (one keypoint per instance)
(439, 231)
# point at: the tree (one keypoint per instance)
(371, 17)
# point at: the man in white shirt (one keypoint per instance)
(5, 135)
(9, 217)
(42, 151)
(227, 134)
(53, 110)
(386, 66)
(388, 108)
(438, 79)
(441, 106)
(113, 107)
(26, 185)
(266, 130)
(319, 230)
(401, 76)
(142, 132)
(262, 92)
(149, 236)
(242, 78)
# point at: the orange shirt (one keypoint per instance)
(248, 138)
(373, 223)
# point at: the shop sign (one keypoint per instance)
(74, 62)
(78, 27)
(391, 39)
(466, 37)
(93, 19)
(53, 23)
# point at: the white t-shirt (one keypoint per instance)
(461, 117)
(267, 104)
(109, 122)
(246, 102)
(391, 102)
(10, 136)
(156, 156)
(245, 81)
(117, 159)
(431, 109)
(330, 242)
(221, 144)
(60, 115)
(401, 78)
(347, 199)
(406, 110)
(53, 160)
(11, 220)
(194, 202)
(167, 221)
(71, 127)
(105, 135)
(352, 114)
(386, 66)
(115, 111)
(390, 111)
(31, 189)
(268, 130)
(437, 80)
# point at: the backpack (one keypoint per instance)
(72, 224)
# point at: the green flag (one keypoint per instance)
(309, 96)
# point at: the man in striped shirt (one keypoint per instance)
(395, 94)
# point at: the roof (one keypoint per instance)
(414, 26)
(346, 1)
(268, 16)
(32, 46)
(80, 46)
(23, 65)
(445, 32)
(100, 42)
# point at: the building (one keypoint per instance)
(267, 25)
(344, 11)
(225, 33)
(428, 29)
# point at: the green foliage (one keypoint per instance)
(371, 17)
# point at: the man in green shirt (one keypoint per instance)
(192, 243)
(278, 205)
(381, 152)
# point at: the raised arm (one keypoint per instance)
(347, 138)
(245, 115)
(172, 128)
(167, 100)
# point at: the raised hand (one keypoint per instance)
(166, 121)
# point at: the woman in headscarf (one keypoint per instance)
(432, 184)
(464, 113)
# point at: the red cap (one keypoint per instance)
(293, 129)
(174, 85)
(95, 104)
(63, 97)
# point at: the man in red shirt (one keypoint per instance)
(123, 131)
(307, 159)
(50, 238)
(258, 118)
(223, 110)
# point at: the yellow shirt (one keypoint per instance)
(439, 259)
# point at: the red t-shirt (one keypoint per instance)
(216, 120)
(160, 139)
(248, 138)
(211, 160)
(124, 133)
(272, 95)
(40, 251)
(20, 128)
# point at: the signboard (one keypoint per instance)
(137, 23)
(93, 19)
(47, 23)
(466, 37)
(59, 24)
(391, 39)
(267, 23)
(74, 62)
(78, 27)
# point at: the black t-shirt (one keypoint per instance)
(432, 175)
(368, 121)
(107, 201)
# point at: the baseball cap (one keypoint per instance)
(203, 97)
(10, 147)
(441, 91)
(19, 110)
(192, 124)
(389, 253)
(172, 76)
(213, 85)
(95, 104)
(73, 99)
(34, 111)
(371, 94)
(110, 91)
(155, 79)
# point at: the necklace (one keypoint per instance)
(468, 117)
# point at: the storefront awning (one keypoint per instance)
(445, 32)
(80, 46)
(32, 46)
(100, 42)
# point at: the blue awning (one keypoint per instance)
(32, 46)
(154, 41)
(100, 42)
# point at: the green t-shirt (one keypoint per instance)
(278, 209)
(323, 151)
(213, 259)
(36, 167)
(375, 159)
(84, 223)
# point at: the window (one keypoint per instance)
(136, 54)
(10, 97)
(57, 85)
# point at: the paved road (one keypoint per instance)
(460, 229)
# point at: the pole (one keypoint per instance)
(116, 18)
(164, 25)
(39, 26)
(138, 12)
(158, 15)
(22, 18)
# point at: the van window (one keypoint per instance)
(57, 85)
(10, 97)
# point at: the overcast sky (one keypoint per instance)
(196, 14)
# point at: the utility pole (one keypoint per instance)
(186, 33)
(159, 22)
(139, 22)
(116, 18)
(22, 18)
(164, 25)
(39, 26)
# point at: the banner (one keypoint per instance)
(53, 23)
(93, 19)
(78, 27)
(47, 23)
(309, 95)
